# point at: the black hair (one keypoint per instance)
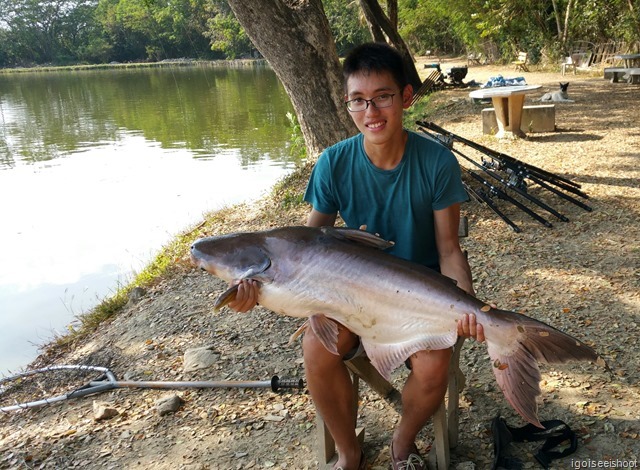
(375, 57)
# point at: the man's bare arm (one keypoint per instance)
(320, 219)
(454, 264)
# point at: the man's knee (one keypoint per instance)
(431, 367)
(315, 351)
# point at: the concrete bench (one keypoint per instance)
(535, 118)
(616, 73)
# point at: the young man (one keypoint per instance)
(407, 189)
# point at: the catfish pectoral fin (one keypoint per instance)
(298, 332)
(326, 330)
(515, 358)
(227, 296)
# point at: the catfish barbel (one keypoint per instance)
(396, 307)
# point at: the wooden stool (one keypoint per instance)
(445, 420)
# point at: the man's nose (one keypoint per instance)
(372, 109)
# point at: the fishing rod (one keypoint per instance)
(427, 86)
(520, 170)
(514, 187)
(445, 140)
(481, 196)
(501, 156)
(548, 187)
(503, 195)
(505, 158)
(524, 193)
(38, 387)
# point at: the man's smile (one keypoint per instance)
(375, 125)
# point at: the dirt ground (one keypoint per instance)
(581, 276)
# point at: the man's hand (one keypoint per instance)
(469, 328)
(246, 296)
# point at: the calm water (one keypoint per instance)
(99, 169)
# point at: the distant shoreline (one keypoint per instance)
(238, 63)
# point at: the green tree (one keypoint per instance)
(431, 25)
(81, 37)
(127, 25)
(179, 28)
(347, 24)
(225, 32)
(155, 30)
(41, 32)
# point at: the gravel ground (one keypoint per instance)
(581, 276)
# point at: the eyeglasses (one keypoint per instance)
(360, 104)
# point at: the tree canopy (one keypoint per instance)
(59, 32)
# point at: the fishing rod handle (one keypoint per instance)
(277, 383)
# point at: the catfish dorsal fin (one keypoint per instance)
(358, 236)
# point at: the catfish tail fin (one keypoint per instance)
(516, 344)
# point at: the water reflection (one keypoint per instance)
(205, 109)
(100, 169)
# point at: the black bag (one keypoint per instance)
(555, 433)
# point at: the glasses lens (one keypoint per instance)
(357, 105)
(360, 104)
(383, 101)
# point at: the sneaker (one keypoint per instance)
(414, 462)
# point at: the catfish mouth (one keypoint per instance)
(197, 259)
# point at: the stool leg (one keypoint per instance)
(456, 385)
(327, 455)
(445, 419)
(326, 444)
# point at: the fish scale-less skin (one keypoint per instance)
(396, 307)
(352, 290)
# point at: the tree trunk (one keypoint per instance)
(375, 16)
(392, 12)
(294, 37)
(556, 15)
(565, 33)
(376, 32)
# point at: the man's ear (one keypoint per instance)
(407, 96)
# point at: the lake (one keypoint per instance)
(100, 169)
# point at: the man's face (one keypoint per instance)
(378, 125)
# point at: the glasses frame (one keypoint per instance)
(370, 102)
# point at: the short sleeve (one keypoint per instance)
(320, 191)
(449, 188)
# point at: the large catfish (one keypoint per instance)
(395, 306)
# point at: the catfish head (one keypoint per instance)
(232, 257)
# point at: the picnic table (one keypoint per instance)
(631, 69)
(630, 60)
(508, 102)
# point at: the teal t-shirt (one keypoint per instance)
(397, 204)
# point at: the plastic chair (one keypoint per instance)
(568, 63)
